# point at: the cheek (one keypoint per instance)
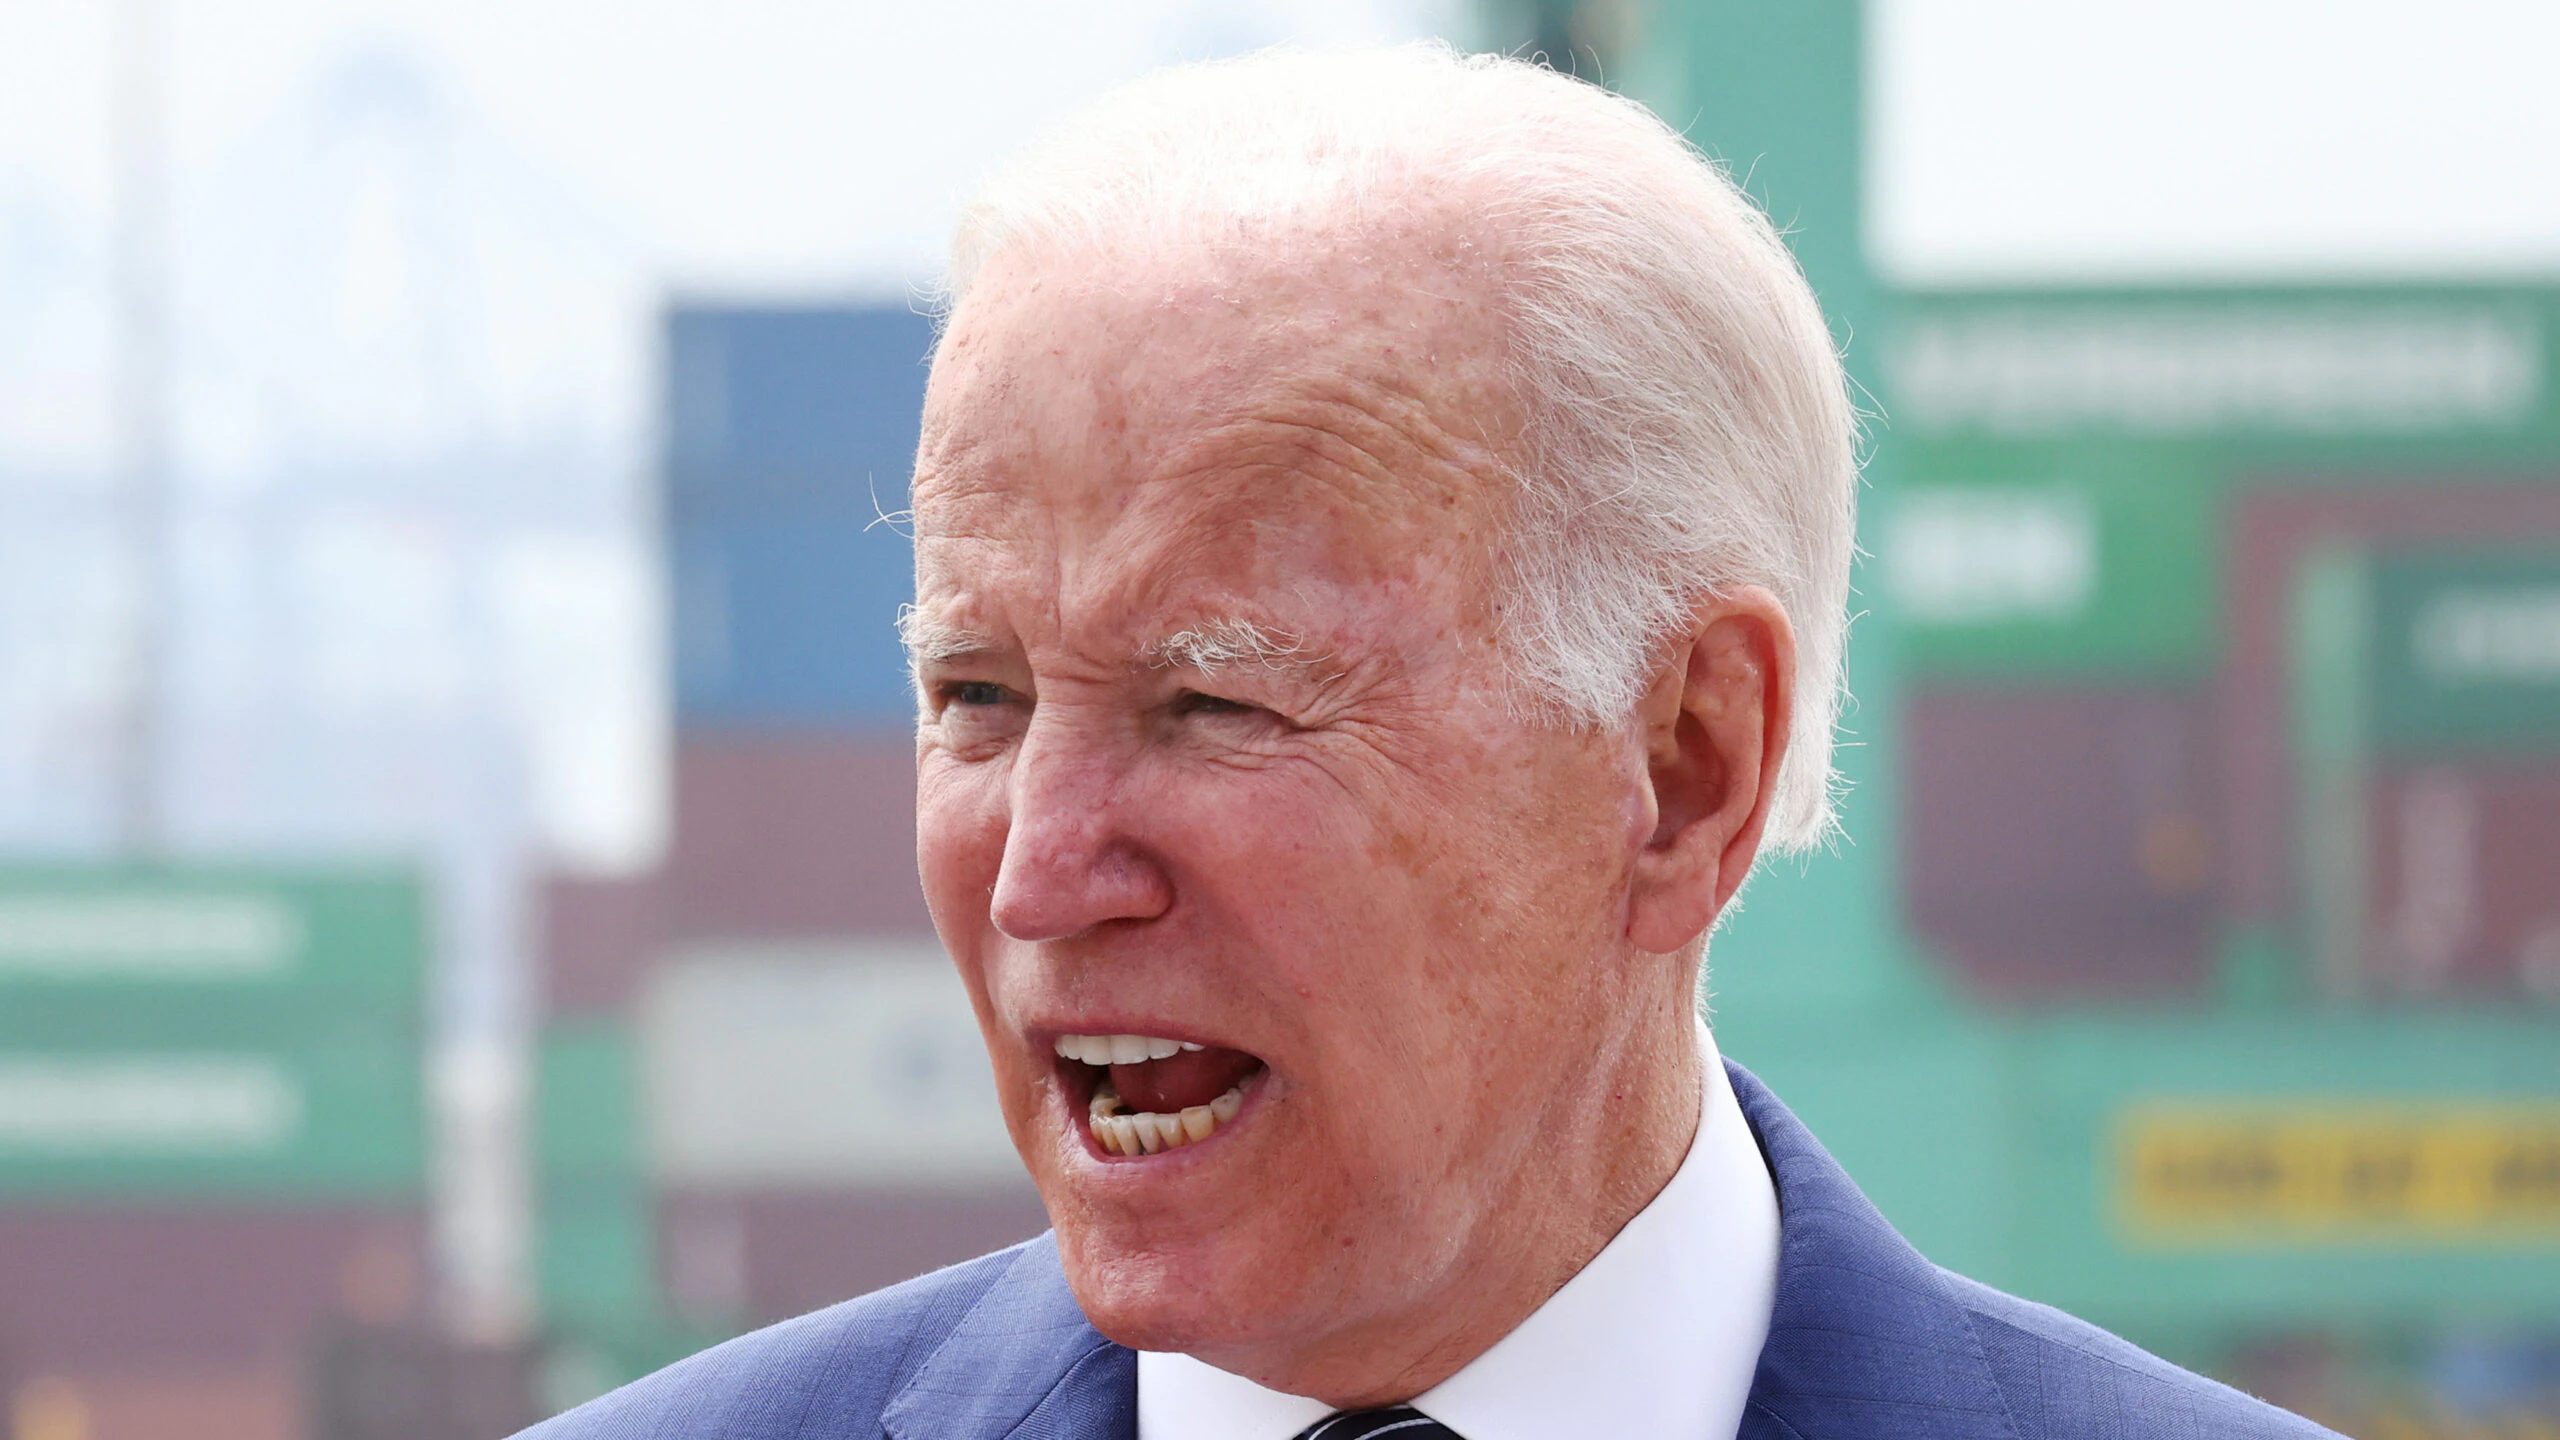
(960, 835)
(1524, 874)
(1288, 862)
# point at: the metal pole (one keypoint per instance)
(140, 405)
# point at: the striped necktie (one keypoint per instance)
(1401, 1421)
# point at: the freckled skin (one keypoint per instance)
(1463, 942)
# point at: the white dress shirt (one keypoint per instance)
(1657, 1337)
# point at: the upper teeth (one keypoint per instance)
(1119, 1049)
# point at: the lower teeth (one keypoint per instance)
(1149, 1131)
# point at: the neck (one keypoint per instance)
(1632, 1113)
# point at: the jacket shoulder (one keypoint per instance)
(2063, 1376)
(833, 1368)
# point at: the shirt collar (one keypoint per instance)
(1658, 1335)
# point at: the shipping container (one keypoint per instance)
(586, 1102)
(2464, 654)
(2059, 842)
(260, 1399)
(228, 944)
(2357, 1165)
(749, 1257)
(788, 619)
(794, 835)
(849, 1063)
(595, 1251)
(2463, 871)
(2275, 532)
(382, 1382)
(2076, 563)
(332, 1117)
(791, 439)
(2429, 1381)
(597, 939)
(833, 386)
(2418, 667)
(2242, 367)
(107, 1287)
(205, 1033)
(596, 1248)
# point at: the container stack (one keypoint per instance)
(2231, 628)
(2060, 796)
(213, 1169)
(2427, 763)
(2226, 622)
(763, 1089)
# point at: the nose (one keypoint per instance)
(1070, 859)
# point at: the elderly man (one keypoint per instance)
(1382, 539)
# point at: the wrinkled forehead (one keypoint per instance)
(1359, 371)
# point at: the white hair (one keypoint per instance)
(1686, 424)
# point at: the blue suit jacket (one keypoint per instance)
(1868, 1341)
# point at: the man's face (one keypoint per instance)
(1216, 751)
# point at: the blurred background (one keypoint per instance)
(459, 942)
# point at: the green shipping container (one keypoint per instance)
(586, 1104)
(597, 1230)
(2072, 561)
(598, 1247)
(328, 1118)
(2466, 652)
(220, 941)
(211, 1032)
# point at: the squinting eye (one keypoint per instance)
(1192, 702)
(975, 692)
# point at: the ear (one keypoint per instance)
(1715, 722)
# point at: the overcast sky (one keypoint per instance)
(2143, 138)
(772, 143)
(781, 141)
(612, 150)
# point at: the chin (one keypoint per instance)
(1198, 1293)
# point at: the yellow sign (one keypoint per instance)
(2335, 1172)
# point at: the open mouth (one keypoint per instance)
(1143, 1094)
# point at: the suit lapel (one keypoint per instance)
(1024, 1363)
(1866, 1340)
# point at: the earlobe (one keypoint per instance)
(1714, 732)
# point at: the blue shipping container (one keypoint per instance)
(832, 387)
(791, 439)
(790, 623)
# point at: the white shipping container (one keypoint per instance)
(854, 1064)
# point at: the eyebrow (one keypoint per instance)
(930, 641)
(1207, 647)
(1215, 644)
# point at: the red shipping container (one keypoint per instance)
(370, 1382)
(2057, 843)
(253, 1400)
(2463, 878)
(2273, 529)
(779, 836)
(597, 940)
(107, 1289)
(759, 1256)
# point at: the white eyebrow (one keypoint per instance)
(1208, 647)
(930, 641)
